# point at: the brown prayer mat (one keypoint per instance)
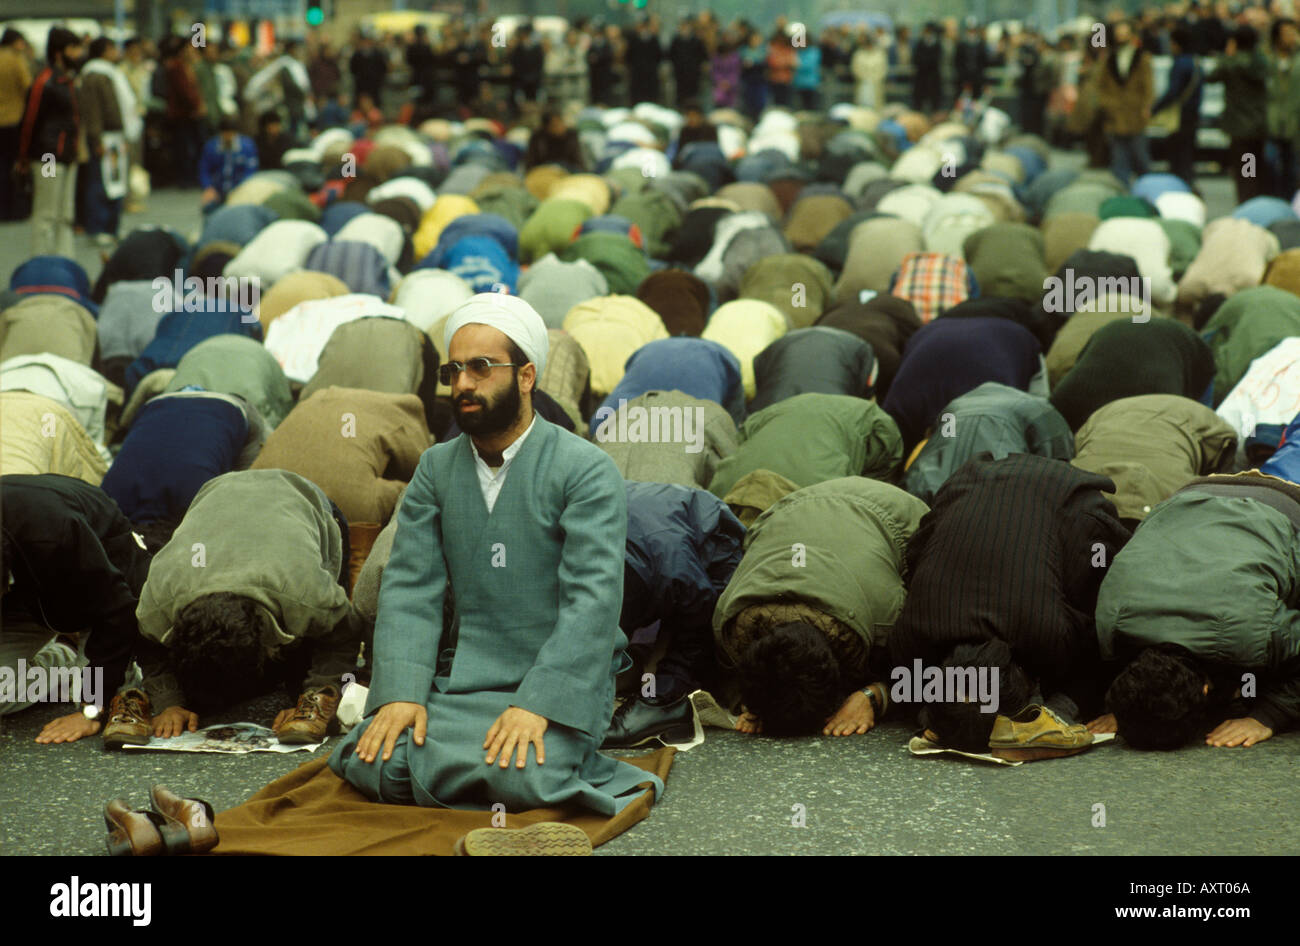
(312, 811)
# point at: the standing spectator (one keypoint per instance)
(644, 53)
(51, 127)
(1124, 94)
(1035, 82)
(688, 56)
(1243, 70)
(808, 75)
(110, 121)
(971, 61)
(369, 68)
(186, 112)
(600, 67)
(15, 80)
(725, 73)
(1283, 106)
(781, 63)
(227, 160)
(469, 57)
(753, 73)
(422, 63)
(527, 60)
(927, 80)
(324, 73)
(948, 41)
(900, 52)
(1184, 90)
(565, 66)
(870, 70)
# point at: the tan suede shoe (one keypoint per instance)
(544, 839)
(1036, 733)
(129, 720)
(311, 718)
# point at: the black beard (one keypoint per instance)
(490, 419)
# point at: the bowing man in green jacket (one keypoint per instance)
(1202, 608)
(525, 524)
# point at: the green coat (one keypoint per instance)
(1220, 576)
(538, 584)
(268, 535)
(854, 532)
(1284, 98)
(1245, 93)
(1152, 445)
(1249, 324)
(810, 438)
(233, 364)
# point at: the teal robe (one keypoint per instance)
(538, 586)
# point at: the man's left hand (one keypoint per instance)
(1238, 732)
(855, 715)
(515, 728)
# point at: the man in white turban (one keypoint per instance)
(524, 526)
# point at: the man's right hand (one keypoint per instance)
(389, 723)
(173, 721)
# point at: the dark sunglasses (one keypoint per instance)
(478, 368)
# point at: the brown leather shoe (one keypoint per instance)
(131, 833)
(192, 818)
(130, 720)
(311, 718)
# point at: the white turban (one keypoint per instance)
(510, 315)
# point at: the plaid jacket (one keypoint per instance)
(933, 283)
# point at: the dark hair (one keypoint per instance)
(216, 651)
(966, 726)
(1275, 31)
(60, 39)
(269, 117)
(130, 43)
(228, 123)
(1183, 37)
(790, 679)
(1247, 38)
(10, 36)
(1159, 700)
(156, 534)
(97, 46)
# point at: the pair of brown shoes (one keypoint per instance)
(175, 825)
(130, 718)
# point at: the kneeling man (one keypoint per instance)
(525, 525)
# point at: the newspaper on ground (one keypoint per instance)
(230, 738)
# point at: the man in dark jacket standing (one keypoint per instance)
(683, 545)
(1205, 603)
(70, 564)
(1013, 550)
(643, 56)
(1184, 90)
(1243, 70)
(927, 85)
(600, 67)
(688, 56)
(526, 61)
(51, 137)
(369, 67)
(972, 61)
(15, 80)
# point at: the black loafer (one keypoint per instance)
(637, 722)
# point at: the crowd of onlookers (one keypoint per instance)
(156, 106)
